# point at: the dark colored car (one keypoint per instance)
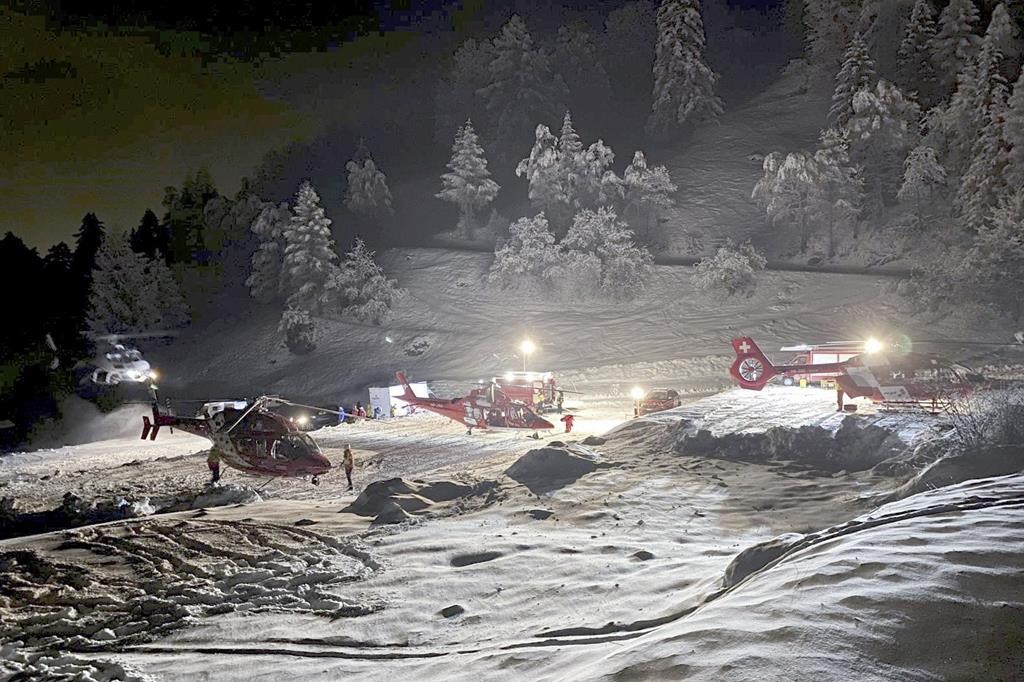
(658, 399)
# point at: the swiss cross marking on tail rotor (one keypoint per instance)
(745, 347)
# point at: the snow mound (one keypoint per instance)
(223, 495)
(395, 500)
(72, 512)
(547, 469)
(957, 467)
(884, 596)
(856, 446)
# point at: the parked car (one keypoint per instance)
(658, 399)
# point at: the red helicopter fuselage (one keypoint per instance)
(255, 440)
(483, 408)
(883, 377)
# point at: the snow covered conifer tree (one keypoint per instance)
(624, 266)
(997, 259)
(522, 88)
(1014, 134)
(526, 258)
(570, 160)
(544, 174)
(883, 129)
(264, 281)
(789, 191)
(630, 35)
(856, 73)
(579, 61)
(456, 97)
(467, 183)
(363, 285)
(646, 192)
(309, 256)
(130, 293)
(367, 191)
(839, 194)
(299, 330)
(599, 184)
(684, 85)
(731, 271)
(985, 180)
(956, 43)
(916, 72)
(923, 175)
(830, 25)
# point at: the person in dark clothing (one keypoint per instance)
(348, 462)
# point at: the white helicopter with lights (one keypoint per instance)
(119, 363)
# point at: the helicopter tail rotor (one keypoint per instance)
(751, 369)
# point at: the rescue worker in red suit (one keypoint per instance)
(568, 419)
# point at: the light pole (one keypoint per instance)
(526, 347)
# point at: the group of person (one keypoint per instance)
(360, 412)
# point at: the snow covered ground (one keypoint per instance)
(629, 571)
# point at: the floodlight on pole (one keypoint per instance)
(526, 347)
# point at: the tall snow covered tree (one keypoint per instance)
(309, 256)
(839, 194)
(1014, 133)
(856, 74)
(923, 177)
(264, 281)
(916, 72)
(629, 35)
(527, 257)
(979, 85)
(363, 286)
(522, 87)
(467, 184)
(985, 180)
(684, 84)
(789, 192)
(997, 258)
(646, 192)
(367, 190)
(599, 185)
(570, 162)
(882, 25)
(580, 64)
(830, 26)
(883, 129)
(956, 43)
(624, 266)
(131, 293)
(543, 173)
(456, 97)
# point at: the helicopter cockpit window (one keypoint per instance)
(293, 446)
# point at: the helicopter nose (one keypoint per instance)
(319, 464)
(543, 423)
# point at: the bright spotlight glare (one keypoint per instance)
(872, 345)
(153, 375)
(509, 376)
(637, 393)
(527, 346)
(303, 420)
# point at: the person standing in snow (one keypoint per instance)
(360, 410)
(839, 398)
(341, 414)
(560, 401)
(213, 462)
(394, 410)
(349, 463)
(568, 419)
(377, 414)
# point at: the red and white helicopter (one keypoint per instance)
(250, 438)
(884, 376)
(487, 407)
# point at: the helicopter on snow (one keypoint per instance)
(250, 438)
(889, 377)
(487, 408)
